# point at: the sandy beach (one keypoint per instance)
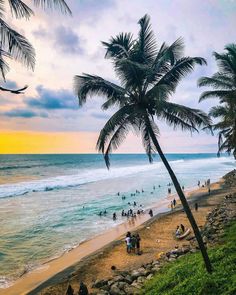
(93, 259)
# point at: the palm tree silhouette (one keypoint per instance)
(148, 78)
(15, 46)
(224, 84)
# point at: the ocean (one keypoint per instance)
(49, 204)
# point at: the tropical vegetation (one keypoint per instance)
(224, 84)
(15, 46)
(148, 77)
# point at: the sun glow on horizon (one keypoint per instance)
(26, 142)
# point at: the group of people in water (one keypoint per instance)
(133, 243)
(139, 208)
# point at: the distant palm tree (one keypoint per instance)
(12, 44)
(148, 78)
(224, 85)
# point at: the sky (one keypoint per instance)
(47, 118)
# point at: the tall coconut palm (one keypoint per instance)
(148, 77)
(224, 84)
(12, 44)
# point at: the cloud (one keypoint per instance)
(10, 85)
(40, 33)
(67, 41)
(23, 113)
(102, 116)
(52, 99)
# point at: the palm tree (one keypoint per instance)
(148, 77)
(12, 44)
(224, 84)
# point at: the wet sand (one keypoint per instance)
(93, 259)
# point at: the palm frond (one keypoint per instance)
(231, 48)
(225, 63)
(180, 69)
(4, 68)
(222, 94)
(88, 85)
(19, 9)
(218, 111)
(184, 117)
(54, 4)
(146, 138)
(132, 74)
(145, 47)
(16, 45)
(215, 83)
(2, 9)
(165, 58)
(119, 46)
(114, 131)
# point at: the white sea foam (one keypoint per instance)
(87, 176)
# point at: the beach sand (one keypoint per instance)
(93, 259)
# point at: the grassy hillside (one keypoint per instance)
(187, 276)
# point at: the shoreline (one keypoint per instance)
(55, 270)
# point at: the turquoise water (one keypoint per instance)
(50, 203)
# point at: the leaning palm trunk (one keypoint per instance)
(182, 199)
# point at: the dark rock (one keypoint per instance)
(116, 291)
(99, 283)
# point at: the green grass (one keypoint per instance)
(187, 275)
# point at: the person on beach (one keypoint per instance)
(196, 206)
(182, 187)
(182, 228)
(83, 290)
(128, 242)
(209, 191)
(114, 216)
(169, 190)
(177, 232)
(133, 243)
(123, 213)
(199, 183)
(70, 290)
(105, 212)
(174, 202)
(138, 239)
(171, 205)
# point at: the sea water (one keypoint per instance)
(51, 203)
